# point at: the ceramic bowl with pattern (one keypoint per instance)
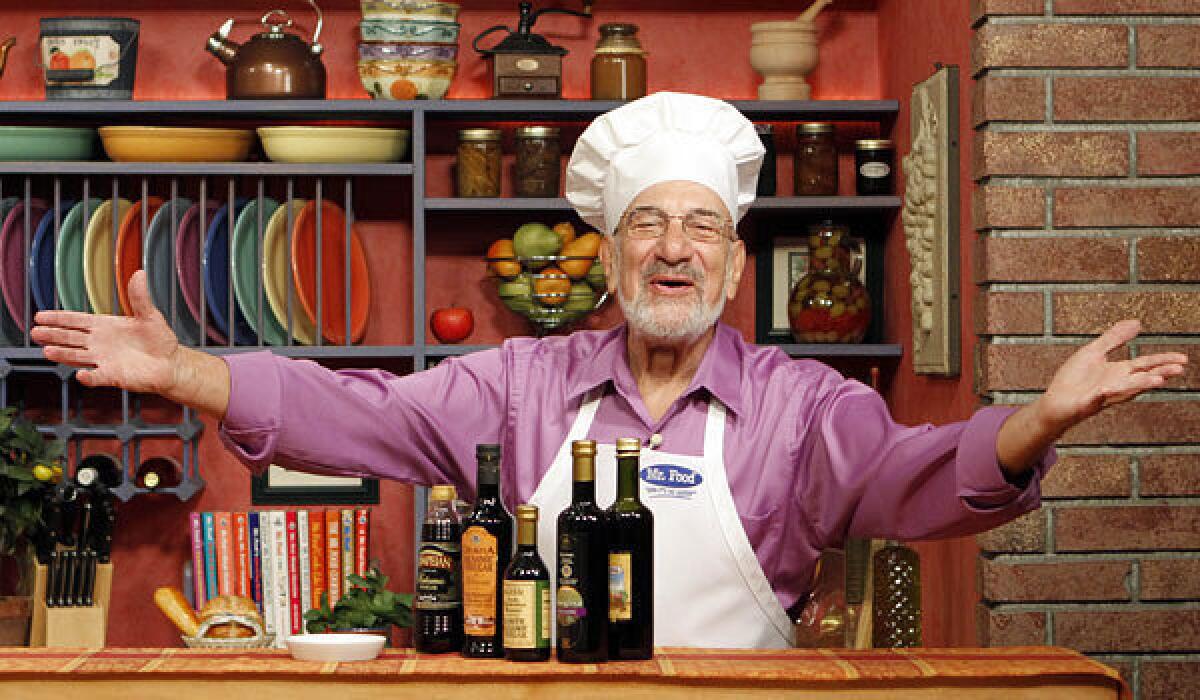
(384, 52)
(406, 79)
(410, 31)
(410, 9)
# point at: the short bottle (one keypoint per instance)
(437, 606)
(630, 562)
(527, 617)
(582, 596)
(487, 540)
(97, 471)
(158, 473)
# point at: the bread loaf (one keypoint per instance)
(171, 602)
(230, 605)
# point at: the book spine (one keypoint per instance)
(256, 572)
(293, 550)
(224, 526)
(283, 612)
(316, 536)
(347, 547)
(362, 540)
(305, 564)
(333, 554)
(198, 595)
(241, 558)
(267, 548)
(210, 558)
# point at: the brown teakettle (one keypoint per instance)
(274, 64)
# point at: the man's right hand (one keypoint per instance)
(138, 353)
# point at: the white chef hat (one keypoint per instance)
(661, 137)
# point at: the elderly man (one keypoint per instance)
(793, 457)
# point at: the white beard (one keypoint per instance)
(675, 319)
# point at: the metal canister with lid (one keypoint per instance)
(538, 161)
(477, 172)
(874, 173)
(816, 160)
(619, 66)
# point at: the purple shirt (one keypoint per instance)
(811, 457)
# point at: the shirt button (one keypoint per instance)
(655, 440)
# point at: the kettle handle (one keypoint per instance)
(316, 46)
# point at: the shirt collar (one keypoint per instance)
(719, 373)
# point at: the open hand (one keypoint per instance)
(136, 352)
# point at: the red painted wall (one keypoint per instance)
(703, 51)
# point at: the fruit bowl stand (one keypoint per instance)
(551, 291)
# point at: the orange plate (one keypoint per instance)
(333, 279)
(129, 246)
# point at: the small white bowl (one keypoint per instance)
(335, 647)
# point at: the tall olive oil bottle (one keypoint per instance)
(630, 562)
(582, 600)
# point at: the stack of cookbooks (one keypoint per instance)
(283, 559)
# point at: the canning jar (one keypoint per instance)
(619, 66)
(478, 169)
(830, 304)
(873, 166)
(538, 158)
(816, 160)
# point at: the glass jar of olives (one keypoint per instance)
(830, 304)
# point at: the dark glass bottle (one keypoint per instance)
(159, 473)
(582, 601)
(766, 175)
(630, 562)
(99, 471)
(487, 540)
(437, 607)
(527, 595)
(896, 620)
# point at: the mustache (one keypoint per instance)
(680, 269)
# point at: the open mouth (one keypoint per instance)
(671, 284)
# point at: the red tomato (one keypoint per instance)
(452, 324)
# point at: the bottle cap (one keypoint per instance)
(479, 135)
(627, 444)
(151, 480)
(583, 448)
(487, 452)
(87, 476)
(814, 128)
(537, 132)
(527, 511)
(442, 492)
(873, 144)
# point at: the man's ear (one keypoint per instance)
(737, 263)
(608, 260)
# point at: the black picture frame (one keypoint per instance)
(264, 493)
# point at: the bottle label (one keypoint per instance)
(479, 567)
(875, 169)
(571, 609)
(527, 614)
(620, 586)
(437, 577)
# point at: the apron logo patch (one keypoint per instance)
(670, 481)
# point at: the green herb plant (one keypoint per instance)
(367, 603)
(29, 466)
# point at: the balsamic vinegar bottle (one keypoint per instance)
(527, 595)
(630, 562)
(582, 600)
(437, 606)
(487, 540)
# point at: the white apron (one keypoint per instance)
(709, 589)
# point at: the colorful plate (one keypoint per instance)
(68, 258)
(187, 263)
(41, 258)
(276, 273)
(9, 333)
(158, 259)
(333, 272)
(216, 278)
(98, 255)
(12, 257)
(128, 259)
(246, 277)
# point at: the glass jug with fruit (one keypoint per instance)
(830, 304)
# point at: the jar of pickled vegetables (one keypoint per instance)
(478, 164)
(830, 303)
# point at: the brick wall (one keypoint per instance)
(1087, 207)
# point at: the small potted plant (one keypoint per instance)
(366, 607)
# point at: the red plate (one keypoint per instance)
(129, 246)
(333, 278)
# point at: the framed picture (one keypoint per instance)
(279, 486)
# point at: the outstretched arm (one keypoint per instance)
(138, 353)
(1083, 386)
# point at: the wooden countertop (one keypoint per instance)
(120, 674)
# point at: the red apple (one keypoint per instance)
(452, 324)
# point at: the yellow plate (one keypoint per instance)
(333, 144)
(98, 255)
(277, 275)
(175, 143)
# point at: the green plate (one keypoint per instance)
(46, 143)
(68, 258)
(246, 256)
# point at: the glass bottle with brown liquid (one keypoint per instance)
(487, 538)
(437, 606)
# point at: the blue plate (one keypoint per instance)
(216, 276)
(41, 258)
(158, 259)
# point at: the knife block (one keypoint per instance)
(70, 626)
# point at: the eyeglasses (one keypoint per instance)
(699, 225)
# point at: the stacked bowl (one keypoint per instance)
(409, 48)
